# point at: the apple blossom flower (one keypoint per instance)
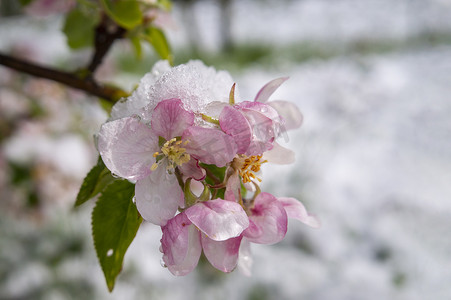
(178, 126)
(214, 226)
(152, 156)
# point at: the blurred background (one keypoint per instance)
(373, 80)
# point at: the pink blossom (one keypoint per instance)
(214, 226)
(150, 156)
(253, 125)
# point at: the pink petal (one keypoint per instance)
(181, 245)
(234, 123)
(245, 258)
(223, 255)
(192, 169)
(170, 119)
(126, 146)
(218, 219)
(233, 188)
(289, 112)
(279, 155)
(268, 89)
(264, 133)
(262, 108)
(158, 196)
(296, 210)
(268, 221)
(210, 146)
(265, 123)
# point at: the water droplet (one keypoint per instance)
(115, 175)
(136, 117)
(161, 248)
(109, 252)
(134, 199)
(162, 263)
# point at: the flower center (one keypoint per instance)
(250, 166)
(175, 153)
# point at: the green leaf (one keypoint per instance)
(96, 180)
(79, 28)
(215, 174)
(115, 221)
(136, 43)
(126, 13)
(158, 41)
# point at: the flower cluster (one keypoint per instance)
(195, 156)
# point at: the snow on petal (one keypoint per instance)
(223, 255)
(268, 89)
(158, 196)
(268, 221)
(170, 119)
(279, 155)
(181, 245)
(296, 210)
(135, 104)
(194, 83)
(292, 117)
(208, 145)
(218, 219)
(234, 123)
(126, 146)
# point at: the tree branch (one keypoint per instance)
(104, 39)
(87, 85)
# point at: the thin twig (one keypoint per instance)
(105, 35)
(87, 85)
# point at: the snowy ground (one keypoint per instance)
(373, 162)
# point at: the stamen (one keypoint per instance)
(251, 165)
(175, 153)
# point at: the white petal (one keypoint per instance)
(158, 196)
(127, 146)
(290, 113)
(268, 89)
(223, 255)
(279, 155)
(296, 210)
(245, 258)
